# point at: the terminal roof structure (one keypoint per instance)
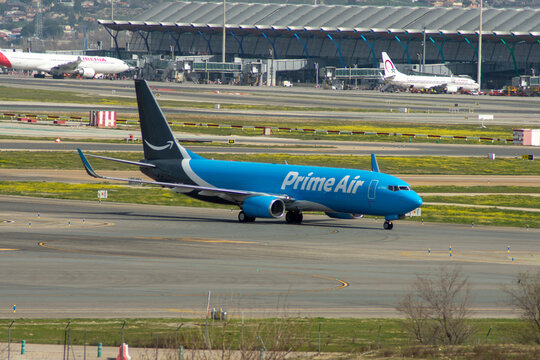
(323, 19)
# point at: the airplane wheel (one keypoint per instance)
(290, 217)
(294, 217)
(243, 218)
(388, 225)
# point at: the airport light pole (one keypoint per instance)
(424, 51)
(112, 19)
(9, 338)
(224, 32)
(479, 80)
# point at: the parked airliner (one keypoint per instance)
(259, 189)
(57, 64)
(452, 84)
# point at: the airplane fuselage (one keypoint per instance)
(48, 62)
(334, 190)
(428, 82)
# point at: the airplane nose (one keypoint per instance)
(418, 200)
(414, 200)
(4, 61)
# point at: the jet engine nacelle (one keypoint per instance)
(344, 215)
(264, 207)
(87, 72)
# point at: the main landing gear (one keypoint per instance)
(388, 225)
(243, 218)
(294, 217)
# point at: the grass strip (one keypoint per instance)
(478, 189)
(337, 335)
(478, 216)
(521, 201)
(116, 193)
(502, 132)
(389, 164)
(20, 94)
(192, 143)
(158, 196)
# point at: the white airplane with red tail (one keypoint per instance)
(57, 64)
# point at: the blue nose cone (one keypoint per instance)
(413, 201)
(417, 200)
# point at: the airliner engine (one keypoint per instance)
(87, 72)
(264, 207)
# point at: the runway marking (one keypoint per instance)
(201, 240)
(343, 285)
(6, 249)
(46, 244)
(217, 241)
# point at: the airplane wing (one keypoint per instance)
(232, 195)
(67, 67)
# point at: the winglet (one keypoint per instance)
(87, 166)
(374, 165)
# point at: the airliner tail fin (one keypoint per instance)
(158, 139)
(389, 67)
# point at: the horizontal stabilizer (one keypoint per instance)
(138, 163)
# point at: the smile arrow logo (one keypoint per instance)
(159, 148)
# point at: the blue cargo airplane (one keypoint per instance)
(262, 190)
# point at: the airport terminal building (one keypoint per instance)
(320, 36)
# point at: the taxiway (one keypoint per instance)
(81, 259)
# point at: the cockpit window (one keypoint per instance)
(398, 188)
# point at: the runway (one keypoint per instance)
(320, 103)
(81, 259)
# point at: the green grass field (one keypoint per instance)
(337, 335)
(502, 132)
(388, 164)
(522, 201)
(158, 196)
(412, 165)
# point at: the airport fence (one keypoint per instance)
(274, 338)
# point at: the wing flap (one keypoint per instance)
(66, 67)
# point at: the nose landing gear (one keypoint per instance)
(388, 225)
